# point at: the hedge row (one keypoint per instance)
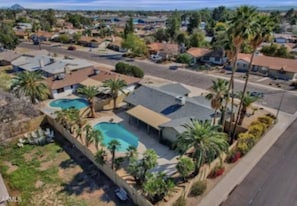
(128, 69)
(255, 131)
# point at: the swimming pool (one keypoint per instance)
(78, 103)
(114, 131)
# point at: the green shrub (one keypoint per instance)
(184, 58)
(127, 69)
(198, 188)
(245, 142)
(181, 201)
(266, 120)
(257, 129)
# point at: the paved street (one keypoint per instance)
(273, 180)
(272, 96)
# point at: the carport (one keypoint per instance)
(149, 117)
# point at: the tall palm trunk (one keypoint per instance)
(242, 97)
(92, 108)
(242, 115)
(214, 117)
(232, 89)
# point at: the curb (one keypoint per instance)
(222, 190)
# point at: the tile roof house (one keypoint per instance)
(274, 67)
(8, 56)
(204, 55)
(172, 104)
(165, 50)
(65, 84)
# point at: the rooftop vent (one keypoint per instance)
(96, 71)
(59, 76)
(181, 100)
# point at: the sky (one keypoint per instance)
(143, 4)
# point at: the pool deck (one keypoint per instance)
(167, 158)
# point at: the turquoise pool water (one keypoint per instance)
(67, 103)
(115, 131)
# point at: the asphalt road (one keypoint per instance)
(271, 99)
(272, 182)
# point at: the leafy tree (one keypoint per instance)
(194, 22)
(182, 38)
(157, 186)
(8, 38)
(161, 35)
(113, 145)
(173, 25)
(197, 39)
(205, 139)
(76, 36)
(64, 38)
(185, 167)
(129, 28)
(30, 84)
(218, 96)
(78, 20)
(115, 86)
(220, 14)
(36, 27)
(90, 93)
(136, 44)
(50, 17)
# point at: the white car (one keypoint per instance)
(156, 57)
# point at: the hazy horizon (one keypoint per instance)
(143, 4)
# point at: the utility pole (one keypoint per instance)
(280, 104)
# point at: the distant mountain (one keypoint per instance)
(17, 7)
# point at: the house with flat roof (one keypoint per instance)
(49, 66)
(169, 107)
(274, 67)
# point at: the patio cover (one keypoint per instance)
(148, 116)
(91, 82)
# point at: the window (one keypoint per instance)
(217, 59)
(60, 90)
(71, 86)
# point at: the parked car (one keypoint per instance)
(257, 94)
(156, 58)
(71, 48)
(121, 194)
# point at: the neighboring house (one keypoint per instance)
(204, 55)
(116, 44)
(7, 56)
(169, 107)
(67, 83)
(21, 34)
(43, 35)
(92, 42)
(274, 67)
(165, 50)
(49, 66)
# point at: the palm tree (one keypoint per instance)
(100, 156)
(68, 118)
(131, 152)
(239, 31)
(247, 100)
(30, 84)
(205, 140)
(262, 32)
(115, 86)
(113, 145)
(87, 128)
(218, 95)
(185, 167)
(98, 138)
(89, 92)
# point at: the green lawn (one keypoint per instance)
(23, 168)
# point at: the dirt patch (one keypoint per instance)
(11, 167)
(46, 165)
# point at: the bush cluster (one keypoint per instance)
(233, 156)
(184, 59)
(128, 69)
(198, 188)
(255, 131)
(181, 201)
(216, 171)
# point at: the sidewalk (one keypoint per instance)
(222, 190)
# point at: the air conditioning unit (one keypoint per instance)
(96, 71)
(181, 100)
(59, 76)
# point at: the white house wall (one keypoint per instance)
(67, 91)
